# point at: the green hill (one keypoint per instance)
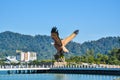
(102, 45)
(10, 42)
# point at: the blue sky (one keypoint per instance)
(94, 18)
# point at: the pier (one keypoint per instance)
(71, 69)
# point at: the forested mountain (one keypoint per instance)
(102, 45)
(10, 42)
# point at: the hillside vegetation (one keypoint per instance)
(41, 44)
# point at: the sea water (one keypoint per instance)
(48, 76)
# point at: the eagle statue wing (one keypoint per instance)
(55, 37)
(69, 38)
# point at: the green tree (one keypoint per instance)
(102, 58)
(2, 62)
(114, 56)
(90, 56)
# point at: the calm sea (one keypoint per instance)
(57, 77)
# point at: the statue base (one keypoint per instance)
(59, 57)
(60, 64)
(60, 60)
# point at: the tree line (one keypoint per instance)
(113, 57)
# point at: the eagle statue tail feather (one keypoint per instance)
(65, 49)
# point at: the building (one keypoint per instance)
(11, 59)
(33, 56)
(27, 56)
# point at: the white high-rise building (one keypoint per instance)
(26, 56)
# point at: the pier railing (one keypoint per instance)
(65, 66)
(68, 69)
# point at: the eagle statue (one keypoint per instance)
(60, 44)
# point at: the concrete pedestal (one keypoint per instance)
(60, 64)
